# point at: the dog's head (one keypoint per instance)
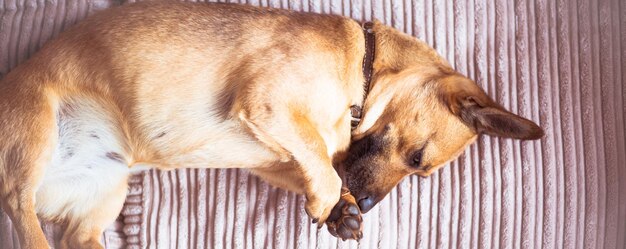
(419, 115)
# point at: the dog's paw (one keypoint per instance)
(322, 197)
(345, 221)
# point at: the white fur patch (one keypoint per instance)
(88, 166)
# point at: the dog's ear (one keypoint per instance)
(476, 109)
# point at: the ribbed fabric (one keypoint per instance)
(557, 62)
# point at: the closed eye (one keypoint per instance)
(416, 159)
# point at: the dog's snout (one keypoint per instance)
(366, 203)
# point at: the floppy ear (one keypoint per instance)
(472, 105)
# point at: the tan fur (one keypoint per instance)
(418, 103)
(170, 85)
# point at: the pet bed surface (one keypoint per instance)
(560, 63)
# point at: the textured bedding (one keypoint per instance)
(559, 62)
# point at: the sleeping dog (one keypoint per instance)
(309, 102)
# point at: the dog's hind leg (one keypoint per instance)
(84, 229)
(19, 205)
(81, 235)
(28, 132)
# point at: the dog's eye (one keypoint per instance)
(416, 159)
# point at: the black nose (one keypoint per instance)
(366, 204)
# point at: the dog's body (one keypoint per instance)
(132, 87)
(171, 85)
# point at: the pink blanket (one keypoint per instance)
(559, 62)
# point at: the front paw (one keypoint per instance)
(345, 220)
(322, 197)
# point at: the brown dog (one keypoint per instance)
(170, 85)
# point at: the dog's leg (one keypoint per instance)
(322, 184)
(84, 230)
(285, 175)
(82, 234)
(345, 220)
(91, 211)
(19, 205)
(28, 132)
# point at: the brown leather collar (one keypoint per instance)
(368, 61)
